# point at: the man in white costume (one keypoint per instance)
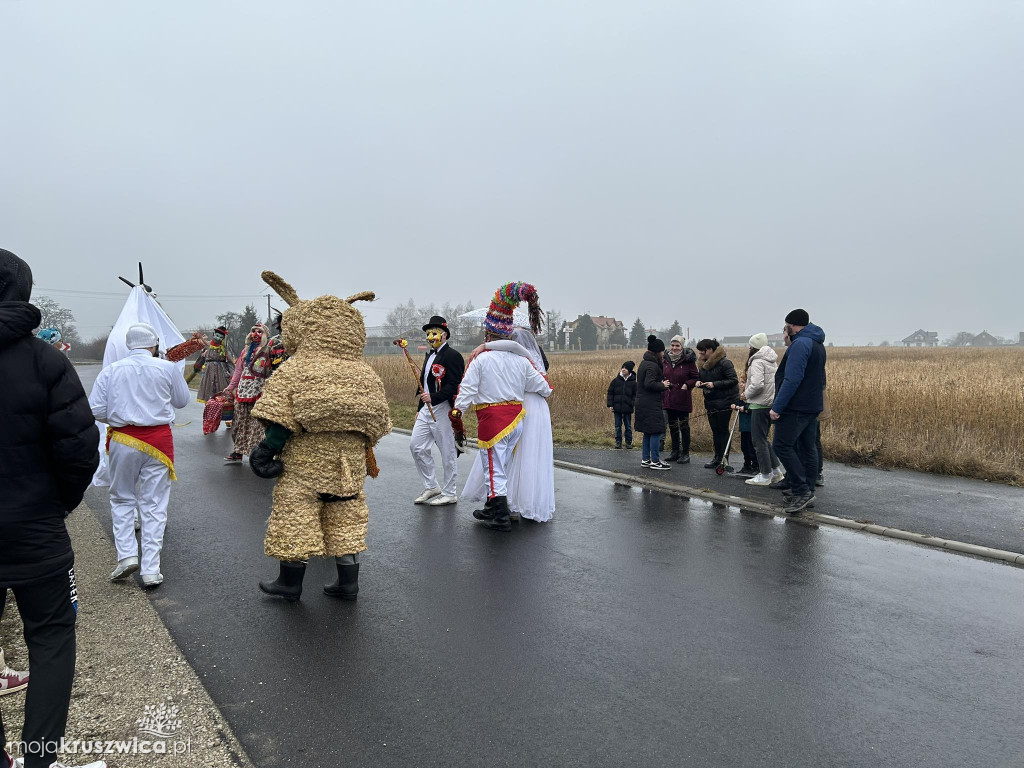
(531, 474)
(136, 397)
(495, 385)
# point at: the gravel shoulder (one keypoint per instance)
(127, 662)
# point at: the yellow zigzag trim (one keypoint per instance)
(504, 433)
(481, 406)
(146, 448)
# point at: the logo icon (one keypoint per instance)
(159, 720)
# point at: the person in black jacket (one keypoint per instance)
(440, 378)
(621, 396)
(721, 388)
(49, 450)
(650, 416)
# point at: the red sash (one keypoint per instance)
(157, 442)
(496, 421)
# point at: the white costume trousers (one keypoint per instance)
(496, 460)
(425, 434)
(138, 481)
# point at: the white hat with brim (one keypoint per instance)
(141, 336)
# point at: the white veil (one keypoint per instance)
(526, 339)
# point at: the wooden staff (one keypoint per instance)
(415, 374)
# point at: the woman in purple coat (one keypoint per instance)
(680, 368)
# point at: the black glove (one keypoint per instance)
(264, 462)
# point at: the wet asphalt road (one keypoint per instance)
(989, 514)
(635, 629)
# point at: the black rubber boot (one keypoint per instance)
(499, 521)
(674, 436)
(487, 512)
(347, 585)
(289, 582)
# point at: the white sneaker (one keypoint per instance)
(11, 681)
(760, 479)
(152, 580)
(442, 500)
(427, 495)
(777, 474)
(20, 763)
(125, 568)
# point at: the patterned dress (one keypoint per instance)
(216, 364)
(251, 371)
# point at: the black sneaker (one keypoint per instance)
(820, 482)
(659, 465)
(684, 459)
(618, 446)
(712, 464)
(799, 503)
(645, 462)
(629, 446)
(781, 485)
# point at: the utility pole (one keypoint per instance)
(270, 321)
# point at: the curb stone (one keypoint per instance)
(768, 510)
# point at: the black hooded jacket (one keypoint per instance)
(48, 439)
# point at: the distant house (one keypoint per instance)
(921, 338)
(984, 339)
(606, 326)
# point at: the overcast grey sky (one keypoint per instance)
(713, 162)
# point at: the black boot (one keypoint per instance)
(347, 585)
(674, 435)
(487, 512)
(499, 520)
(289, 582)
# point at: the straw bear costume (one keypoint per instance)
(327, 409)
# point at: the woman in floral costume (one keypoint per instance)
(251, 371)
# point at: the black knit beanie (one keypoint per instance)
(798, 317)
(654, 344)
(15, 278)
(629, 365)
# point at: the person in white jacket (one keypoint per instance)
(495, 386)
(136, 398)
(759, 393)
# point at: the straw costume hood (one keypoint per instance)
(324, 410)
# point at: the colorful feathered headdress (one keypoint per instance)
(499, 318)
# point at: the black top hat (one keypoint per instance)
(438, 322)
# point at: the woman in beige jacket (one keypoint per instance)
(759, 393)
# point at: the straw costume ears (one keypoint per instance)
(286, 292)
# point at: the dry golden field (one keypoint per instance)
(949, 411)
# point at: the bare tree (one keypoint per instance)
(400, 319)
(56, 316)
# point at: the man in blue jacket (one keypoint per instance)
(798, 401)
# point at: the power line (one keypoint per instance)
(121, 295)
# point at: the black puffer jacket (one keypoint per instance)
(48, 441)
(650, 417)
(719, 369)
(622, 394)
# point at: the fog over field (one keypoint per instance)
(716, 163)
